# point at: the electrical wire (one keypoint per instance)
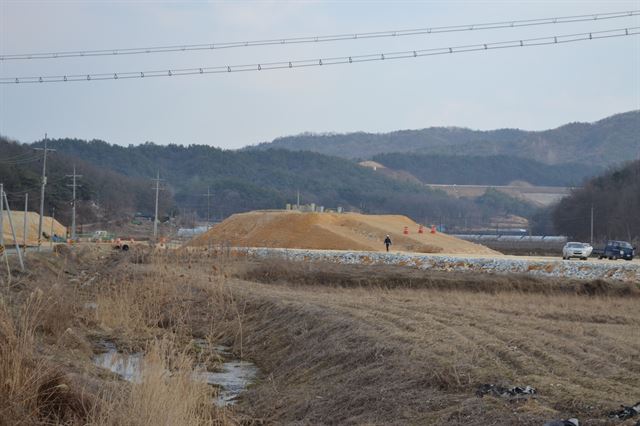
(36, 187)
(541, 41)
(18, 156)
(322, 38)
(20, 161)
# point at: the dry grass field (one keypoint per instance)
(335, 344)
(393, 346)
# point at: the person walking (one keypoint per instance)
(387, 242)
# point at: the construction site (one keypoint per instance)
(217, 237)
(332, 231)
(286, 316)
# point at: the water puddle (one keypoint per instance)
(233, 379)
(127, 366)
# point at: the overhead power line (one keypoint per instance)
(24, 160)
(541, 41)
(321, 38)
(18, 156)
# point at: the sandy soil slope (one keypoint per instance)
(347, 231)
(32, 227)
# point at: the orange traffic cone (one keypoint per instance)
(406, 230)
(420, 230)
(433, 229)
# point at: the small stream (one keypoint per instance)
(235, 375)
(232, 380)
(127, 366)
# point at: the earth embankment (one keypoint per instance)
(332, 231)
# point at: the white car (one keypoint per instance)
(573, 249)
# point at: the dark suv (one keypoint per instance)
(617, 250)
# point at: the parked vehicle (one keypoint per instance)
(575, 249)
(615, 250)
(99, 236)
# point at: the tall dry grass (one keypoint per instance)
(166, 395)
(158, 303)
(138, 301)
(133, 306)
(20, 374)
(32, 389)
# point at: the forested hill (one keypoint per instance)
(486, 170)
(608, 141)
(102, 194)
(615, 197)
(263, 179)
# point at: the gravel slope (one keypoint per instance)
(552, 267)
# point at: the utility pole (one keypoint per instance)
(298, 201)
(53, 219)
(155, 216)
(24, 231)
(592, 224)
(208, 195)
(1, 219)
(208, 207)
(74, 235)
(44, 183)
(3, 196)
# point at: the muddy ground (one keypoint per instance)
(335, 344)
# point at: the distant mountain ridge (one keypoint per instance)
(268, 179)
(609, 141)
(114, 192)
(485, 170)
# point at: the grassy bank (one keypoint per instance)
(54, 318)
(395, 346)
(336, 344)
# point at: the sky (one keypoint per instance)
(533, 88)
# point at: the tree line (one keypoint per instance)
(266, 179)
(615, 199)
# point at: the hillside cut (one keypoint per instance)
(331, 231)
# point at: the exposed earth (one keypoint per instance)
(332, 231)
(48, 225)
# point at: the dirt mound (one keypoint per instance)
(48, 224)
(331, 231)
